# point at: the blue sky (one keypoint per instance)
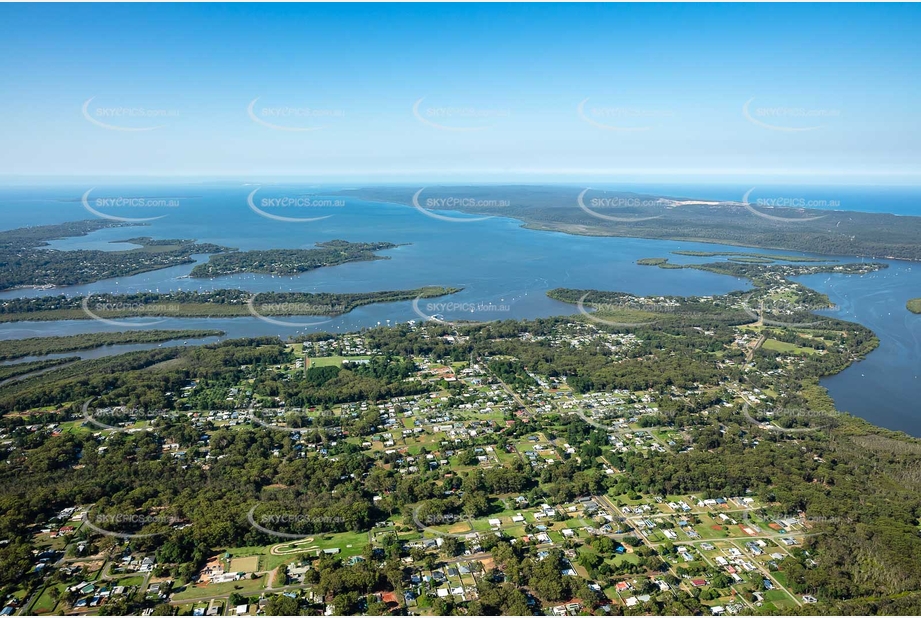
(832, 92)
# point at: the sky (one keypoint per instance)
(462, 92)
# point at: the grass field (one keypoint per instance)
(250, 564)
(779, 598)
(128, 580)
(333, 361)
(267, 562)
(244, 586)
(45, 604)
(780, 346)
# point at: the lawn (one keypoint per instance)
(779, 598)
(348, 543)
(267, 562)
(128, 580)
(244, 586)
(45, 604)
(250, 564)
(781, 346)
(333, 361)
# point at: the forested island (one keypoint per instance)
(39, 235)
(749, 255)
(38, 346)
(557, 208)
(216, 304)
(291, 261)
(19, 369)
(26, 262)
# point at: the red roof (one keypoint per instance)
(389, 597)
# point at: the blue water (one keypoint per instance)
(505, 270)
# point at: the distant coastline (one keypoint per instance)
(634, 215)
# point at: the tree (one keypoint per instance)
(451, 546)
(282, 605)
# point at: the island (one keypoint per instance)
(25, 260)
(39, 346)
(290, 261)
(914, 305)
(213, 304)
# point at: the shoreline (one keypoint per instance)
(590, 231)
